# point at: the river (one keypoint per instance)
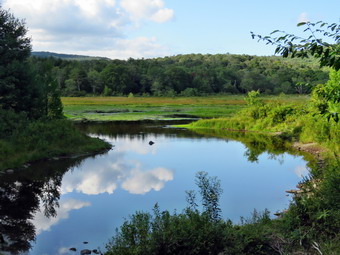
(79, 202)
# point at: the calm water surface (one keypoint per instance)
(95, 194)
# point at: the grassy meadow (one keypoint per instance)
(160, 108)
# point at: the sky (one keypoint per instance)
(122, 29)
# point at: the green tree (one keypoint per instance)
(70, 88)
(54, 104)
(78, 74)
(116, 77)
(325, 96)
(313, 45)
(95, 80)
(18, 90)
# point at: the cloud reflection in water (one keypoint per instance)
(141, 182)
(301, 171)
(43, 223)
(106, 174)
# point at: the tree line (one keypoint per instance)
(181, 75)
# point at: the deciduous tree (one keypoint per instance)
(328, 52)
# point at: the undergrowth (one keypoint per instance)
(22, 140)
(294, 122)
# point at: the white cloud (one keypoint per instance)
(91, 27)
(301, 171)
(94, 180)
(142, 182)
(125, 48)
(64, 250)
(141, 146)
(55, 17)
(106, 174)
(147, 9)
(42, 223)
(162, 15)
(303, 17)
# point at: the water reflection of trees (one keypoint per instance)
(21, 194)
(256, 143)
(137, 129)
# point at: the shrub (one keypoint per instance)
(253, 98)
(11, 122)
(326, 97)
(259, 112)
(190, 232)
(279, 113)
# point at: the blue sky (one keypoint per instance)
(156, 28)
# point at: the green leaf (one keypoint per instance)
(301, 24)
(277, 50)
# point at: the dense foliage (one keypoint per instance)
(21, 88)
(17, 90)
(326, 97)
(302, 123)
(182, 75)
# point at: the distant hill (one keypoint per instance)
(47, 54)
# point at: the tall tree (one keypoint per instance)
(18, 92)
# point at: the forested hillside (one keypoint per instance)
(182, 75)
(47, 54)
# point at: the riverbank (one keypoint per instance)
(28, 141)
(303, 127)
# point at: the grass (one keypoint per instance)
(295, 122)
(159, 108)
(45, 139)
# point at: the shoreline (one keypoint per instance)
(312, 148)
(56, 157)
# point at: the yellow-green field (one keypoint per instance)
(158, 108)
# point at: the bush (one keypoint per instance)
(313, 217)
(259, 112)
(32, 140)
(326, 97)
(279, 113)
(253, 98)
(190, 232)
(11, 122)
(189, 92)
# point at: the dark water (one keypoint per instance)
(66, 202)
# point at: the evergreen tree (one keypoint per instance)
(18, 91)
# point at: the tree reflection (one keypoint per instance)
(21, 194)
(256, 144)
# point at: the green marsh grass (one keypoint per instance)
(159, 108)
